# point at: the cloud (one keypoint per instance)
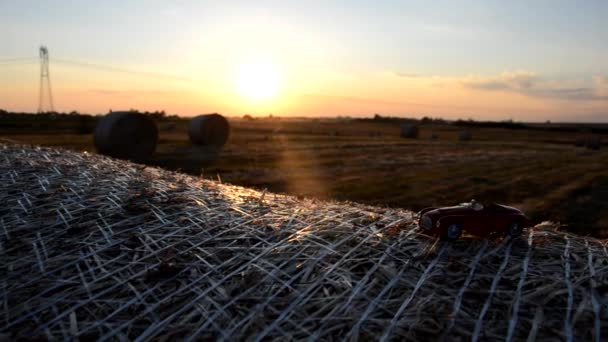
(349, 99)
(370, 101)
(487, 85)
(407, 75)
(601, 81)
(528, 84)
(577, 94)
(127, 93)
(525, 83)
(515, 81)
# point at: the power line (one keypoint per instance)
(123, 70)
(102, 67)
(25, 60)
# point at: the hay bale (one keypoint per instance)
(209, 129)
(434, 136)
(77, 262)
(594, 142)
(465, 136)
(126, 135)
(409, 131)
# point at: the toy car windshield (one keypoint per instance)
(473, 205)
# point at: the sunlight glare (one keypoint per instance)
(258, 80)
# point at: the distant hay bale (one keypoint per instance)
(594, 142)
(99, 248)
(126, 135)
(434, 136)
(590, 142)
(209, 129)
(465, 136)
(409, 131)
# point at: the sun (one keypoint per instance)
(258, 80)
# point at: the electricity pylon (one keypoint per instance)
(45, 82)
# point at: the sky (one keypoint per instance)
(485, 60)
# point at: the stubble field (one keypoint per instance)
(539, 171)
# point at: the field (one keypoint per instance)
(541, 171)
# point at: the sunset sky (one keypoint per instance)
(495, 60)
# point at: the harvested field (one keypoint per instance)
(537, 169)
(99, 248)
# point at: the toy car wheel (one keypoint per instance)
(515, 229)
(452, 232)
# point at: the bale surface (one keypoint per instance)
(98, 248)
(209, 129)
(126, 135)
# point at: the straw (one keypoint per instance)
(98, 248)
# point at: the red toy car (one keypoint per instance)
(474, 218)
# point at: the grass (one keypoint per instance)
(540, 171)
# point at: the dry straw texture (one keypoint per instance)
(98, 248)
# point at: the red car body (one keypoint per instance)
(474, 218)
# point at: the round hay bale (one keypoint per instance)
(465, 136)
(434, 136)
(409, 131)
(126, 135)
(594, 142)
(209, 129)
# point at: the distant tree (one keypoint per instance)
(156, 114)
(247, 117)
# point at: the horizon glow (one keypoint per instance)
(486, 60)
